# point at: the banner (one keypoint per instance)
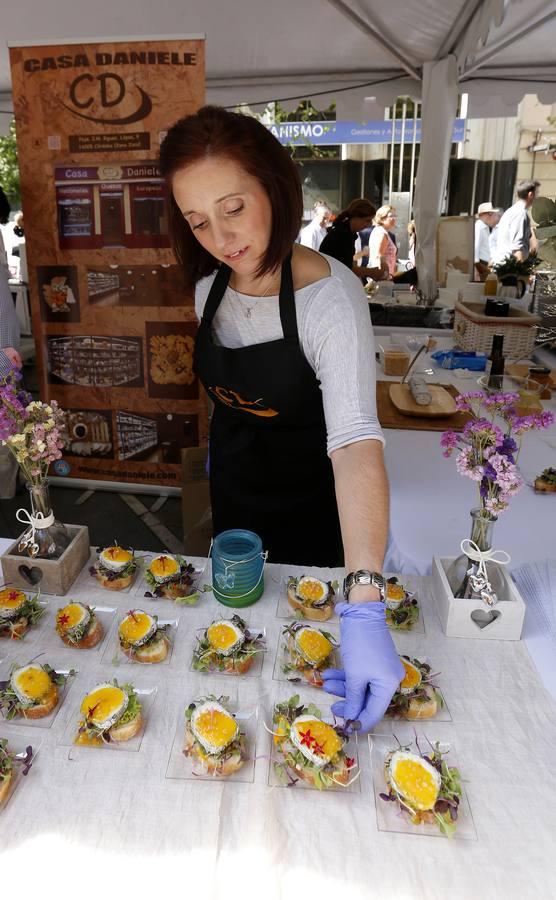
(113, 325)
(375, 132)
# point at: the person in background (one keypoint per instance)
(493, 237)
(9, 354)
(412, 243)
(383, 249)
(514, 229)
(340, 237)
(314, 233)
(18, 225)
(485, 221)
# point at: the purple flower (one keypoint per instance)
(507, 448)
(544, 419)
(449, 440)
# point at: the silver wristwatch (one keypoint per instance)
(363, 576)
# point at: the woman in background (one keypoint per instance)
(340, 239)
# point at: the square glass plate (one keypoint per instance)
(105, 615)
(46, 721)
(18, 743)
(276, 765)
(75, 751)
(256, 666)
(31, 635)
(86, 581)
(283, 608)
(184, 767)
(114, 655)
(283, 657)
(443, 712)
(412, 587)
(388, 813)
(199, 578)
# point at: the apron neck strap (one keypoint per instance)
(216, 293)
(288, 315)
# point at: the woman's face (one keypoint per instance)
(227, 210)
(390, 220)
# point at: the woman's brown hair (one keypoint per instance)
(360, 208)
(213, 132)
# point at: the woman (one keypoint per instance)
(340, 239)
(382, 247)
(285, 350)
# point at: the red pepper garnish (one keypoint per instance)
(131, 613)
(318, 748)
(63, 620)
(13, 595)
(350, 762)
(307, 738)
(91, 710)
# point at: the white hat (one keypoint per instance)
(485, 208)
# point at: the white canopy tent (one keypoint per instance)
(360, 53)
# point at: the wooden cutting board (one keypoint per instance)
(390, 417)
(442, 404)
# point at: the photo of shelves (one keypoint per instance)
(156, 438)
(95, 361)
(117, 285)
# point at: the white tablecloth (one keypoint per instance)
(110, 824)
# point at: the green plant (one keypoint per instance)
(9, 168)
(512, 266)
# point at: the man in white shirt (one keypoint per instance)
(514, 230)
(485, 220)
(493, 239)
(314, 233)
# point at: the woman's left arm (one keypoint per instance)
(362, 497)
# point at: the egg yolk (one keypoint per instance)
(412, 676)
(318, 737)
(217, 728)
(117, 554)
(70, 616)
(99, 705)
(164, 565)
(310, 590)
(415, 783)
(11, 599)
(135, 626)
(34, 683)
(395, 592)
(314, 646)
(221, 636)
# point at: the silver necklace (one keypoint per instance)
(248, 310)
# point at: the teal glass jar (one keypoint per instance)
(238, 562)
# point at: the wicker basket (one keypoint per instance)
(474, 331)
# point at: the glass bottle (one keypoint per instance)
(495, 363)
(491, 285)
(463, 570)
(48, 542)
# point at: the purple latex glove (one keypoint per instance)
(372, 668)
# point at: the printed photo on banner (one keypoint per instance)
(58, 293)
(155, 438)
(170, 360)
(95, 360)
(125, 285)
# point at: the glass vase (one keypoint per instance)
(46, 541)
(464, 570)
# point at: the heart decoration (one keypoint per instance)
(482, 617)
(32, 574)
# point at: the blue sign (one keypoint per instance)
(376, 132)
(61, 467)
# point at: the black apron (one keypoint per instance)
(269, 470)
